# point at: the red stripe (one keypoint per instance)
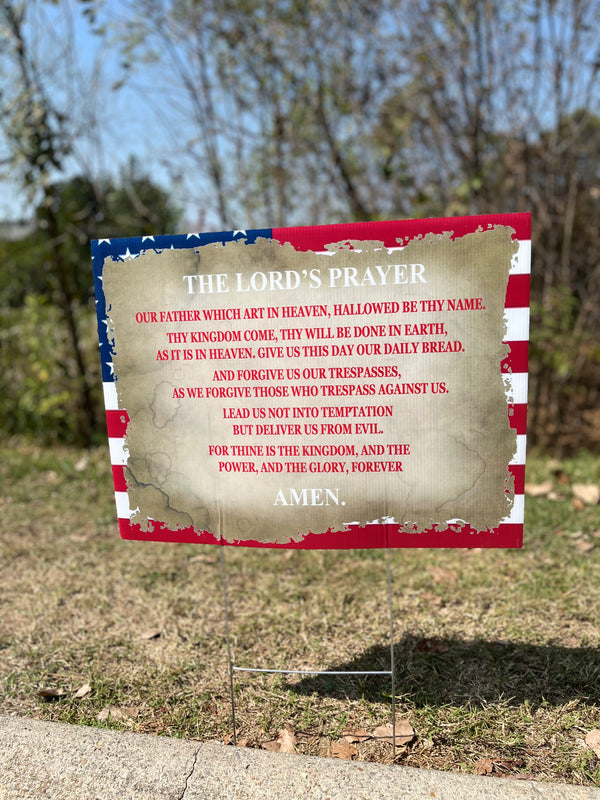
(116, 422)
(518, 473)
(518, 417)
(119, 478)
(390, 232)
(371, 536)
(517, 292)
(518, 358)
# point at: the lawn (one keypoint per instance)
(497, 651)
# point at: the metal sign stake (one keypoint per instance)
(232, 668)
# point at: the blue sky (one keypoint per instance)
(138, 118)
(120, 121)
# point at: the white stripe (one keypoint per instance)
(517, 512)
(111, 402)
(517, 324)
(519, 456)
(515, 386)
(123, 509)
(118, 452)
(521, 262)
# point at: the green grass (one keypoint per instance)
(497, 651)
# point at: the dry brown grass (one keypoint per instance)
(497, 652)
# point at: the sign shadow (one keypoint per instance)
(442, 671)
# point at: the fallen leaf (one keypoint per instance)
(154, 633)
(287, 739)
(485, 766)
(561, 476)
(50, 693)
(429, 597)
(404, 732)
(430, 646)
(118, 714)
(442, 574)
(588, 493)
(582, 546)
(593, 741)
(506, 763)
(352, 735)
(596, 534)
(539, 489)
(285, 742)
(202, 559)
(83, 691)
(81, 463)
(578, 504)
(343, 750)
(229, 738)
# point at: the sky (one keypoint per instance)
(123, 122)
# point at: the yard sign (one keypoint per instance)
(339, 386)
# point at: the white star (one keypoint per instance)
(147, 237)
(235, 233)
(103, 240)
(106, 322)
(127, 256)
(189, 236)
(111, 366)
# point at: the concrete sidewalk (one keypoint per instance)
(66, 762)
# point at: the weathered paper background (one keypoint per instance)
(460, 442)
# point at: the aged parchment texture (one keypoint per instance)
(460, 441)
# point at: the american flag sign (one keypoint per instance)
(335, 386)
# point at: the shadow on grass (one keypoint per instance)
(458, 672)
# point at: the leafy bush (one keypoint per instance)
(39, 380)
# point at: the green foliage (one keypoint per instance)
(22, 270)
(83, 210)
(39, 381)
(553, 344)
(289, 112)
(43, 377)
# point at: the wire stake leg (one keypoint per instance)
(392, 659)
(391, 672)
(228, 638)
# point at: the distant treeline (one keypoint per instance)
(296, 113)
